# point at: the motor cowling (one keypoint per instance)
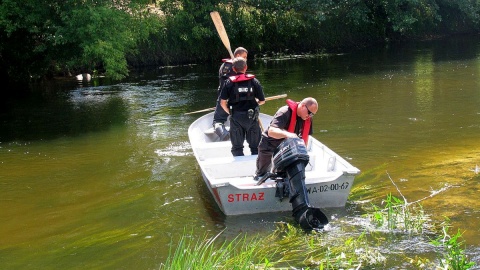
(291, 150)
(290, 158)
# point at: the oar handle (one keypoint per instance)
(204, 110)
(213, 108)
(275, 97)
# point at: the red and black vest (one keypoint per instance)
(293, 121)
(242, 93)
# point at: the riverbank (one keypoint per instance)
(289, 247)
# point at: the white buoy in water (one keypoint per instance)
(87, 77)
(84, 77)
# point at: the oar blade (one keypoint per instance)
(217, 21)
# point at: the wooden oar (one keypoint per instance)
(221, 31)
(226, 42)
(213, 108)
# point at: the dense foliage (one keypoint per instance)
(44, 38)
(312, 26)
(61, 37)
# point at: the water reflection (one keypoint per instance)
(423, 72)
(50, 117)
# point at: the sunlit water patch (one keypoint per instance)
(175, 149)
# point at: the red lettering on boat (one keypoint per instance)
(246, 197)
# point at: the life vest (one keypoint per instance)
(241, 77)
(226, 68)
(293, 121)
(242, 93)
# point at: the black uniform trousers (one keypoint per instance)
(220, 115)
(265, 155)
(241, 128)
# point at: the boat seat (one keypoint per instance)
(211, 131)
(228, 167)
(219, 150)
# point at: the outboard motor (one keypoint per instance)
(290, 159)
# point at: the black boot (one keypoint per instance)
(221, 131)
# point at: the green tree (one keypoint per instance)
(189, 33)
(461, 16)
(44, 38)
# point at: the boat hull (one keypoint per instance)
(328, 177)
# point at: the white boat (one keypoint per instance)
(328, 177)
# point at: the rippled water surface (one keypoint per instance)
(102, 175)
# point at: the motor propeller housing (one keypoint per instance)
(290, 159)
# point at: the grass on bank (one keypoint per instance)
(206, 253)
(288, 246)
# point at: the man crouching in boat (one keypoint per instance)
(291, 121)
(240, 97)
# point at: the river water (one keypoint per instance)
(101, 176)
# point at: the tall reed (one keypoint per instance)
(348, 245)
(206, 253)
(454, 256)
(399, 215)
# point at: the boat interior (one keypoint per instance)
(218, 162)
(216, 159)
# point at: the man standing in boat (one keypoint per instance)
(293, 120)
(225, 71)
(240, 97)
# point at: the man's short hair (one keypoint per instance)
(239, 64)
(239, 50)
(309, 101)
